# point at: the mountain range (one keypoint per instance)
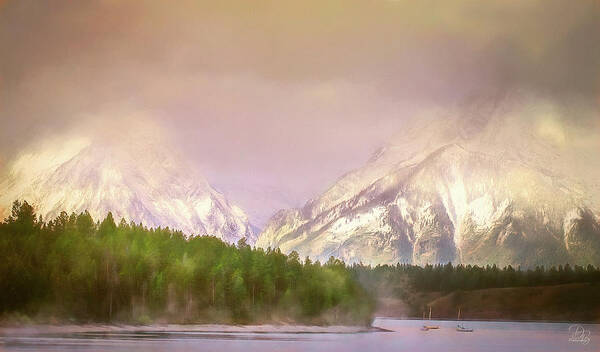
(492, 181)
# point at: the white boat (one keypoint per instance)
(460, 327)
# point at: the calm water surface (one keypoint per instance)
(405, 335)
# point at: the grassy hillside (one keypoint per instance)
(569, 302)
(557, 293)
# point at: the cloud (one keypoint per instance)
(291, 93)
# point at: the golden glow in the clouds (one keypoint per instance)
(325, 92)
(550, 128)
(30, 164)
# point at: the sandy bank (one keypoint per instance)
(211, 328)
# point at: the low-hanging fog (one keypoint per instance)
(273, 100)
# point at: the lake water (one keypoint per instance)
(405, 335)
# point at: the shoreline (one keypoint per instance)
(44, 329)
(494, 320)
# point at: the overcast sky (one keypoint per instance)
(282, 96)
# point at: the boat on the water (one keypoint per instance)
(430, 327)
(460, 327)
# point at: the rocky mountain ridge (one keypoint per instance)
(488, 187)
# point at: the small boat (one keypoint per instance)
(430, 327)
(461, 328)
(424, 327)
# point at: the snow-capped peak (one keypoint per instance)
(489, 183)
(138, 178)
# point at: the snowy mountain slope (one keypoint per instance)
(482, 187)
(137, 179)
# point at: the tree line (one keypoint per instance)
(73, 267)
(449, 277)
